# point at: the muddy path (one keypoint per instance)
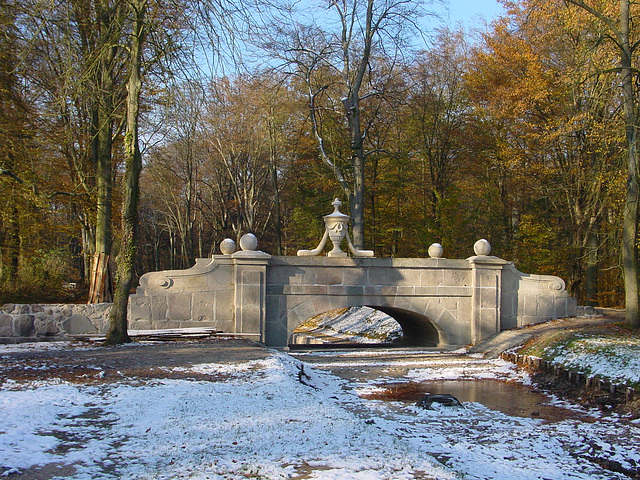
(82, 362)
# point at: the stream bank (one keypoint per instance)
(579, 359)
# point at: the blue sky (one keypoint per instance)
(471, 12)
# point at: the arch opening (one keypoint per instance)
(418, 330)
(366, 326)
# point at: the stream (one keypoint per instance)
(504, 423)
(389, 375)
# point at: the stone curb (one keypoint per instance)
(594, 383)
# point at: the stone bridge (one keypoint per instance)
(436, 301)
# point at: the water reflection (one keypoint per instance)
(511, 398)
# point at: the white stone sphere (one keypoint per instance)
(249, 242)
(435, 250)
(482, 247)
(227, 246)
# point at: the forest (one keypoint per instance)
(253, 117)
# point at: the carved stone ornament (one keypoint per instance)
(227, 246)
(482, 247)
(163, 281)
(248, 242)
(337, 230)
(435, 250)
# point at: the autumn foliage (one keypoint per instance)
(515, 136)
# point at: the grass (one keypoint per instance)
(610, 351)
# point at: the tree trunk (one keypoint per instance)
(630, 220)
(133, 166)
(276, 190)
(591, 289)
(14, 244)
(356, 200)
(172, 249)
(102, 153)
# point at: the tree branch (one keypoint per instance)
(12, 175)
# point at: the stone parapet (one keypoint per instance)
(201, 296)
(437, 301)
(528, 298)
(37, 322)
(225, 292)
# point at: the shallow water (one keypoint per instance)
(509, 398)
(387, 370)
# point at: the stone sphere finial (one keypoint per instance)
(482, 247)
(249, 242)
(435, 250)
(227, 246)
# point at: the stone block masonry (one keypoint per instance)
(437, 301)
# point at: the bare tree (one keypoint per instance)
(343, 69)
(238, 138)
(133, 166)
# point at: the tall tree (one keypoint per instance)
(133, 166)
(344, 69)
(74, 63)
(617, 27)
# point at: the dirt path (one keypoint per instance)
(86, 363)
(143, 360)
(494, 346)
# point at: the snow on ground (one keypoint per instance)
(271, 420)
(262, 423)
(480, 443)
(614, 358)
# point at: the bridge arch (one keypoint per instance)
(417, 330)
(423, 323)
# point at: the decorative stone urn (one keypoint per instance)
(337, 224)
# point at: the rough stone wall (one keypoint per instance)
(24, 322)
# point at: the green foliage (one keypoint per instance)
(541, 246)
